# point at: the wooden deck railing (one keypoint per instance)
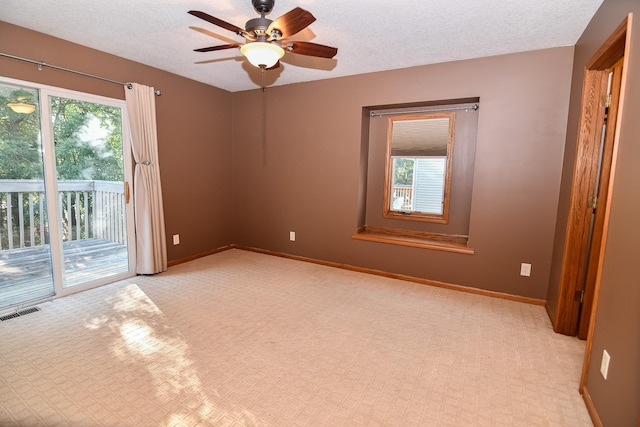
(406, 192)
(87, 209)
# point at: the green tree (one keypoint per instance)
(87, 139)
(79, 153)
(403, 171)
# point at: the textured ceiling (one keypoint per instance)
(371, 35)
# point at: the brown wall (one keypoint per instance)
(305, 176)
(194, 143)
(617, 400)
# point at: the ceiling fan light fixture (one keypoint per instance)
(21, 107)
(262, 54)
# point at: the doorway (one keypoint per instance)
(588, 213)
(65, 217)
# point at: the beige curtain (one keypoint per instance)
(151, 246)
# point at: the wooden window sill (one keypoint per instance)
(418, 239)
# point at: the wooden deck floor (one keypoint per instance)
(27, 271)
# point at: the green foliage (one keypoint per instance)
(88, 140)
(403, 171)
(87, 136)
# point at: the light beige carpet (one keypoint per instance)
(240, 338)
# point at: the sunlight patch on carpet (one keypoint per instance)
(145, 342)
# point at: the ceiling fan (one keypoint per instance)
(267, 40)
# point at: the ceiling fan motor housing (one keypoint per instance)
(258, 26)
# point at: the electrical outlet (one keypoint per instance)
(525, 269)
(604, 366)
(176, 239)
(292, 236)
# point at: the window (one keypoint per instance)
(418, 167)
(408, 157)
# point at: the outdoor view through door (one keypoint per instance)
(64, 164)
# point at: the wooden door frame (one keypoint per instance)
(623, 42)
(592, 113)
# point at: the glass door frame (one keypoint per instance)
(51, 182)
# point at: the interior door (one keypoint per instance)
(588, 203)
(599, 198)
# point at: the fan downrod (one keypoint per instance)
(263, 6)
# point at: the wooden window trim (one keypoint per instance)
(388, 174)
(418, 239)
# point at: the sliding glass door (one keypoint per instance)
(83, 154)
(26, 272)
(91, 188)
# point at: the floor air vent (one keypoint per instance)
(19, 313)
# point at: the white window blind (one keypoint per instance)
(429, 184)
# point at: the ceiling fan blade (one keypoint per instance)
(291, 23)
(212, 48)
(274, 66)
(212, 34)
(312, 49)
(218, 22)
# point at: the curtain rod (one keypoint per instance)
(41, 64)
(473, 107)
